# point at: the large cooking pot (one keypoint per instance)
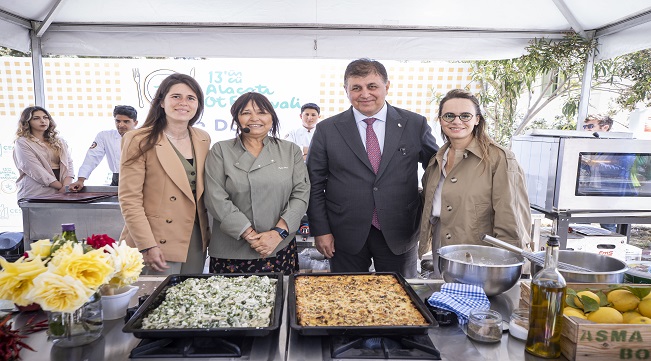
(494, 269)
(606, 269)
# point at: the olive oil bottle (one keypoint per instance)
(546, 306)
(68, 232)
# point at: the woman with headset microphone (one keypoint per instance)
(257, 191)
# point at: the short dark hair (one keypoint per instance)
(602, 119)
(363, 67)
(126, 110)
(311, 106)
(261, 102)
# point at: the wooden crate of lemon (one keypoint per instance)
(604, 322)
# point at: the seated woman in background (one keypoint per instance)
(161, 181)
(472, 186)
(257, 189)
(42, 158)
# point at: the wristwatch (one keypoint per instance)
(283, 233)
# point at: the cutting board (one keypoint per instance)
(86, 197)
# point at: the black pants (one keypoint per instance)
(116, 178)
(383, 259)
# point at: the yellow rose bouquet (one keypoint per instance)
(61, 275)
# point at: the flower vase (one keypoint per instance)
(83, 326)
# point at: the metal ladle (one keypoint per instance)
(531, 256)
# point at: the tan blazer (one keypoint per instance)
(156, 199)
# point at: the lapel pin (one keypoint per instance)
(399, 125)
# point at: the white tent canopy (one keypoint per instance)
(330, 29)
(383, 29)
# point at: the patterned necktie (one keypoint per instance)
(374, 156)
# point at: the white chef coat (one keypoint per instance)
(301, 136)
(107, 142)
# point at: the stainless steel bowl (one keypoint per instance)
(606, 269)
(499, 276)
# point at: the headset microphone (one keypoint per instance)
(246, 130)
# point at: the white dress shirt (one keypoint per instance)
(107, 142)
(379, 125)
(301, 136)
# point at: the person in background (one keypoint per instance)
(161, 189)
(302, 136)
(602, 166)
(42, 158)
(257, 190)
(107, 143)
(598, 123)
(473, 186)
(363, 166)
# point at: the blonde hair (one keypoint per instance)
(51, 135)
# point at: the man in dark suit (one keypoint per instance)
(363, 166)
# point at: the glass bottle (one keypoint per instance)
(68, 232)
(547, 300)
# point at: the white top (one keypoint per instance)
(107, 142)
(436, 201)
(301, 136)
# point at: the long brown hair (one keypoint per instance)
(51, 135)
(261, 102)
(479, 131)
(156, 119)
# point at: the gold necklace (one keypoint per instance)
(175, 138)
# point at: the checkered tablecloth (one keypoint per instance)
(460, 299)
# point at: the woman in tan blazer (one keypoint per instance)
(161, 181)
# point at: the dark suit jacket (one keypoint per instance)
(345, 189)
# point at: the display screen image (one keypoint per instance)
(614, 175)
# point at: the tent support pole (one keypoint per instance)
(586, 83)
(37, 70)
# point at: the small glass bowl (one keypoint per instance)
(485, 326)
(519, 323)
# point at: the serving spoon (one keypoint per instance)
(532, 256)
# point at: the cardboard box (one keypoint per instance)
(583, 340)
(613, 245)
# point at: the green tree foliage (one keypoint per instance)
(10, 52)
(635, 67)
(514, 91)
(505, 83)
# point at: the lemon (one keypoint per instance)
(645, 308)
(606, 315)
(574, 312)
(640, 320)
(623, 300)
(577, 299)
(647, 297)
(630, 315)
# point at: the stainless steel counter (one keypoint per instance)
(115, 345)
(43, 220)
(285, 344)
(451, 341)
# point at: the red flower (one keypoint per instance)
(98, 241)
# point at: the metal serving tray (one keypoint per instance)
(357, 330)
(134, 325)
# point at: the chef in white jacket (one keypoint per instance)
(107, 143)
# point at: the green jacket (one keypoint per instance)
(243, 191)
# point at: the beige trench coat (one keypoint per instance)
(477, 200)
